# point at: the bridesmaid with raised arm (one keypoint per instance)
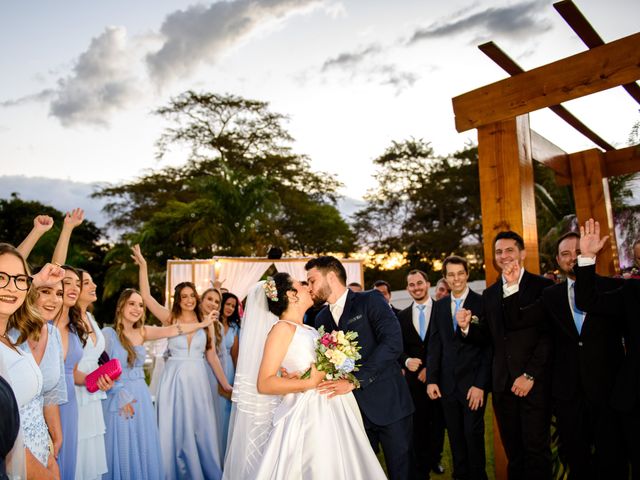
(133, 445)
(187, 419)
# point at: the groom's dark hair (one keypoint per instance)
(326, 264)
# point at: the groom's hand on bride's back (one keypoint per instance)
(335, 387)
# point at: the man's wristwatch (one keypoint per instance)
(528, 377)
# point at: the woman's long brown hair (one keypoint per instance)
(176, 309)
(76, 324)
(119, 324)
(27, 319)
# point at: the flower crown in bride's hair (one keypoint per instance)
(270, 289)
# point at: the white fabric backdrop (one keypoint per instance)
(240, 276)
(295, 269)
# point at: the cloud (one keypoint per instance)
(514, 21)
(41, 96)
(201, 34)
(390, 75)
(102, 82)
(350, 59)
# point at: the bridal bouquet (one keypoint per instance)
(336, 354)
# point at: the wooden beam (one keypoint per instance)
(591, 195)
(509, 65)
(601, 68)
(579, 24)
(507, 189)
(622, 162)
(552, 156)
(508, 203)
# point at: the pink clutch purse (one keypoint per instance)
(112, 369)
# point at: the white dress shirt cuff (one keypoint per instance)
(405, 363)
(586, 261)
(465, 331)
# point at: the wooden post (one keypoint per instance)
(508, 203)
(591, 195)
(506, 188)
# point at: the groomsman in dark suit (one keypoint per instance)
(459, 373)
(588, 353)
(385, 289)
(383, 396)
(428, 421)
(623, 305)
(521, 357)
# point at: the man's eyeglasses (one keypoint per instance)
(22, 282)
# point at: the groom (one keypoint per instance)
(383, 396)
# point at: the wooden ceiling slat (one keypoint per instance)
(495, 53)
(581, 26)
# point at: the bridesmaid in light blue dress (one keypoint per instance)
(132, 441)
(228, 351)
(187, 421)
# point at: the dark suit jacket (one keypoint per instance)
(452, 363)
(622, 304)
(383, 396)
(413, 347)
(518, 331)
(589, 361)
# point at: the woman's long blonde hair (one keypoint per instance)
(119, 324)
(217, 326)
(26, 319)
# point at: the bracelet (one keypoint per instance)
(179, 327)
(528, 377)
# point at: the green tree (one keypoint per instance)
(240, 190)
(425, 205)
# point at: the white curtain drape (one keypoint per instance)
(295, 269)
(354, 271)
(239, 276)
(205, 275)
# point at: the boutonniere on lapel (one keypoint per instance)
(475, 319)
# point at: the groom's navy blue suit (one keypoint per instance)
(383, 396)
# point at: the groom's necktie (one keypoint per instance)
(422, 321)
(458, 302)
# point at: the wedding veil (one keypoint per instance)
(252, 412)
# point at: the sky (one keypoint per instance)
(79, 80)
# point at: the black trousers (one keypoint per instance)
(466, 436)
(524, 424)
(395, 439)
(591, 439)
(428, 430)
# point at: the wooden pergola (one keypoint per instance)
(507, 145)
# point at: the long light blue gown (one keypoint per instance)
(187, 419)
(133, 445)
(229, 372)
(69, 412)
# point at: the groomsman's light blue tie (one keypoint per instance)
(578, 315)
(458, 303)
(422, 321)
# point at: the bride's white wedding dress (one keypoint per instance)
(313, 436)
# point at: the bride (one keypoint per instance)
(283, 428)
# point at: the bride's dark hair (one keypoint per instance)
(284, 284)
